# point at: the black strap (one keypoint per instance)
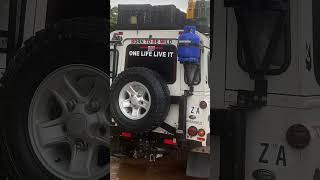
(275, 38)
(168, 128)
(188, 45)
(244, 40)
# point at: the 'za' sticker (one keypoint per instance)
(316, 175)
(195, 110)
(273, 153)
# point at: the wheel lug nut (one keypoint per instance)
(81, 145)
(71, 104)
(57, 160)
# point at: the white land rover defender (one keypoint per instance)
(153, 107)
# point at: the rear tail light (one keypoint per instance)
(201, 132)
(126, 134)
(170, 141)
(298, 136)
(201, 139)
(192, 131)
(203, 105)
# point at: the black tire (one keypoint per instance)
(160, 98)
(42, 54)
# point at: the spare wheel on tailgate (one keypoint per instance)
(140, 99)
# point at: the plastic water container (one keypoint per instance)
(189, 46)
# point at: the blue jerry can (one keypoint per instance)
(189, 46)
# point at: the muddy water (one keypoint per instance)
(168, 168)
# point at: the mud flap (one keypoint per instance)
(198, 165)
(214, 157)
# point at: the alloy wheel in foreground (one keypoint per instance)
(68, 124)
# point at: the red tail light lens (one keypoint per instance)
(192, 131)
(170, 141)
(298, 136)
(126, 134)
(201, 132)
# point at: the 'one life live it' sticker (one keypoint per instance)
(162, 54)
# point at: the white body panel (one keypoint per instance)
(293, 97)
(296, 80)
(279, 157)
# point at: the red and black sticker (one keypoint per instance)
(151, 41)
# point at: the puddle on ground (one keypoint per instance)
(167, 168)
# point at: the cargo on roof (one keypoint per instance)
(146, 16)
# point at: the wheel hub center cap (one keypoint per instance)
(135, 101)
(76, 125)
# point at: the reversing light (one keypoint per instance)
(203, 104)
(201, 132)
(117, 36)
(192, 131)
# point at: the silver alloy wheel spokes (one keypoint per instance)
(68, 124)
(134, 100)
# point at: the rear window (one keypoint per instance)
(160, 58)
(316, 42)
(264, 41)
(4, 15)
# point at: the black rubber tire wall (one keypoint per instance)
(160, 99)
(68, 42)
